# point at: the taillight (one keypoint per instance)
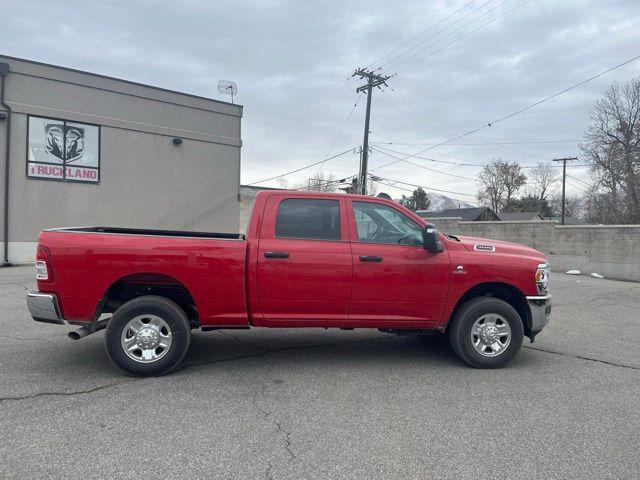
(43, 265)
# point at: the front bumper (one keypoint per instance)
(540, 307)
(44, 307)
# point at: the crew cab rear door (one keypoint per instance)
(396, 282)
(304, 270)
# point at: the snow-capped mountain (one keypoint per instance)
(442, 202)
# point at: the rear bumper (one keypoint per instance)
(44, 307)
(540, 307)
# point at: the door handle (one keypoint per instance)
(276, 254)
(370, 258)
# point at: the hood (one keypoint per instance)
(486, 246)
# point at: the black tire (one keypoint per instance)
(173, 316)
(460, 329)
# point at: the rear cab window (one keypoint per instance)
(308, 218)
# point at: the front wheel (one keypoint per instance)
(148, 335)
(486, 332)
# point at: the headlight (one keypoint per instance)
(542, 278)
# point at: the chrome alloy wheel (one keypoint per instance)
(146, 338)
(490, 335)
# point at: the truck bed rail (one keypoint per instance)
(150, 232)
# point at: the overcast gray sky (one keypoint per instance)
(292, 61)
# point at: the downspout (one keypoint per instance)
(4, 71)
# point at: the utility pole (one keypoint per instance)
(373, 80)
(564, 180)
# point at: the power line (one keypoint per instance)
(576, 185)
(394, 186)
(422, 110)
(410, 114)
(517, 112)
(343, 125)
(419, 186)
(456, 128)
(481, 143)
(466, 34)
(316, 114)
(420, 34)
(344, 180)
(304, 101)
(425, 168)
(578, 180)
(398, 58)
(461, 164)
(407, 155)
(302, 168)
(395, 65)
(521, 110)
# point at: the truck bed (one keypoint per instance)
(89, 262)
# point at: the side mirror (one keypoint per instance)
(431, 239)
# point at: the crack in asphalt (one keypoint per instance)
(595, 299)
(266, 415)
(181, 368)
(605, 295)
(581, 357)
(267, 473)
(68, 394)
(249, 345)
(23, 339)
(287, 440)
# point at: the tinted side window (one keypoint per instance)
(308, 218)
(377, 223)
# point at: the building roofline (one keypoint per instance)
(130, 82)
(255, 187)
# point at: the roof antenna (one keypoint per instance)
(228, 87)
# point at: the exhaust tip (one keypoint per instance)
(84, 331)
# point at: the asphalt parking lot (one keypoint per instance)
(328, 404)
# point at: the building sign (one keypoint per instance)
(63, 150)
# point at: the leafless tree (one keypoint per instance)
(541, 180)
(612, 146)
(573, 205)
(283, 183)
(318, 182)
(499, 182)
(322, 182)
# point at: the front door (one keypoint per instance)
(304, 268)
(396, 282)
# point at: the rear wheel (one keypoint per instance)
(486, 332)
(148, 335)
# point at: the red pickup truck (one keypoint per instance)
(308, 260)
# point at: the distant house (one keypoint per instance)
(569, 220)
(521, 216)
(476, 214)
